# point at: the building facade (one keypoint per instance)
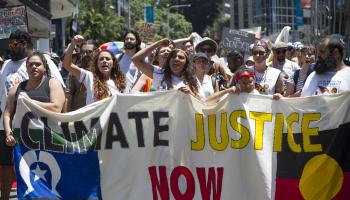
(45, 21)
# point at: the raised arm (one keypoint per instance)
(180, 41)
(139, 58)
(67, 60)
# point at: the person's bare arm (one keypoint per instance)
(67, 60)
(180, 41)
(214, 98)
(279, 84)
(140, 84)
(8, 112)
(289, 90)
(57, 97)
(139, 58)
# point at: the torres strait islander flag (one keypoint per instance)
(168, 145)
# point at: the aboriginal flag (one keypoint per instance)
(322, 175)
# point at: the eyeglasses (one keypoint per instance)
(13, 44)
(259, 53)
(207, 50)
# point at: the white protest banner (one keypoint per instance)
(171, 146)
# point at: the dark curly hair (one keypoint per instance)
(23, 36)
(137, 37)
(43, 60)
(101, 90)
(187, 76)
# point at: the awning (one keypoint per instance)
(62, 8)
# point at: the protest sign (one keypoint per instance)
(237, 40)
(171, 146)
(146, 31)
(12, 18)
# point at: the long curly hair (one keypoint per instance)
(186, 76)
(101, 90)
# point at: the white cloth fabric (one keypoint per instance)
(14, 72)
(328, 83)
(129, 70)
(87, 78)
(288, 67)
(266, 82)
(159, 85)
(205, 88)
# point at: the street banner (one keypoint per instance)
(237, 40)
(168, 145)
(146, 31)
(12, 18)
(299, 14)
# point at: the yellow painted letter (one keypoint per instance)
(223, 132)
(199, 144)
(308, 132)
(294, 117)
(260, 119)
(277, 140)
(245, 134)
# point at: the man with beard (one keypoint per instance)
(75, 91)
(280, 62)
(331, 75)
(14, 71)
(132, 43)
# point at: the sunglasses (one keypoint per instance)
(87, 51)
(259, 53)
(14, 44)
(279, 51)
(208, 50)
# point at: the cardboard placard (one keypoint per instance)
(146, 31)
(12, 18)
(237, 40)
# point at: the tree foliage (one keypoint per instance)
(179, 26)
(98, 20)
(202, 13)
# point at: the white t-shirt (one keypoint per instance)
(129, 70)
(159, 85)
(205, 88)
(328, 83)
(288, 67)
(87, 78)
(265, 82)
(14, 72)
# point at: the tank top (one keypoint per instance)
(42, 93)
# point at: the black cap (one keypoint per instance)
(200, 55)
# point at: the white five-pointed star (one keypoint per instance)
(39, 173)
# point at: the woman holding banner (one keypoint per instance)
(39, 89)
(104, 78)
(175, 74)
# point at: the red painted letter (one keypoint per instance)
(159, 184)
(214, 183)
(174, 183)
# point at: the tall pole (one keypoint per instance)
(167, 18)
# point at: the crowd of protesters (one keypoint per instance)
(88, 74)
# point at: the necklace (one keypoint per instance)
(260, 77)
